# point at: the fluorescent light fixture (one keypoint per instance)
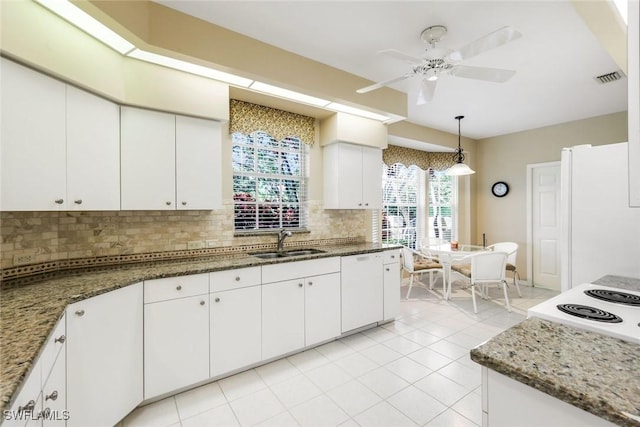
(622, 5)
(88, 24)
(188, 67)
(289, 94)
(356, 111)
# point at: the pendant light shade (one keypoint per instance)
(459, 168)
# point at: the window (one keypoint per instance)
(417, 205)
(269, 188)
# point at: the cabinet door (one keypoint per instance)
(104, 357)
(176, 344)
(235, 329)
(361, 290)
(282, 317)
(322, 308)
(93, 152)
(391, 278)
(33, 159)
(350, 187)
(198, 164)
(371, 178)
(148, 163)
(54, 402)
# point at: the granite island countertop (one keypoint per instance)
(567, 363)
(29, 309)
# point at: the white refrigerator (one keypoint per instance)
(600, 232)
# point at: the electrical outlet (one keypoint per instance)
(195, 244)
(210, 243)
(22, 259)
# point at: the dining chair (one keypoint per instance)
(418, 264)
(485, 268)
(511, 248)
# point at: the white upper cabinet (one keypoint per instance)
(93, 152)
(147, 142)
(198, 164)
(169, 162)
(60, 145)
(33, 140)
(353, 177)
(633, 61)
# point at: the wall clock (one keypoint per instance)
(500, 189)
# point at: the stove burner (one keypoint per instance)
(614, 296)
(590, 313)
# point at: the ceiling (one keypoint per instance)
(555, 60)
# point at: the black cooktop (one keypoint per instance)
(614, 296)
(589, 313)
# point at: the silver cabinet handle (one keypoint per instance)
(78, 202)
(393, 256)
(60, 339)
(202, 302)
(52, 396)
(300, 285)
(217, 300)
(28, 407)
(168, 203)
(179, 288)
(59, 201)
(310, 283)
(79, 313)
(366, 204)
(237, 278)
(387, 268)
(359, 204)
(184, 203)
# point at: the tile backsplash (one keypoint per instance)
(58, 236)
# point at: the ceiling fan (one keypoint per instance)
(440, 61)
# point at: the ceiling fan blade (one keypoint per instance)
(396, 54)
(384, 83)
(482, 73)
(427, 89)
(490, 41)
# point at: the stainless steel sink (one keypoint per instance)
(286, 254)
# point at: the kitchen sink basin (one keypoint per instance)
(286, 254)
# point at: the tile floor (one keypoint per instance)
(413, 371)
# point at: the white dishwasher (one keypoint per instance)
(362, 290)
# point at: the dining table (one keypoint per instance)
(448, 254)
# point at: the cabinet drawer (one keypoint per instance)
(234, 279)
(391, 257)
(53, 346)
(175, 287)
(293, 270)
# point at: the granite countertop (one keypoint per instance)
(29, 311)
(591, 371)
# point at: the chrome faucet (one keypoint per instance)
(282, 234)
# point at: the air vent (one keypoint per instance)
(610, 77)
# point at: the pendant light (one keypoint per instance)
(459, 168)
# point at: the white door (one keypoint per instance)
(282, 317)
(322, 308)
(148, 160)
(235, 329)
(33, 157)
(198, 164)
(371, 181)
(545, 225)
(104, 357)
(93, 152)
(176, 344)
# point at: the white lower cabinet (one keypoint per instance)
(362, 290)
(104, 357)
(301, 309)
(391, 279)
(176, 344)
(282, 317)
(54, 395)
(236, 326)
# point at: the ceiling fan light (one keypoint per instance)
(431, 75)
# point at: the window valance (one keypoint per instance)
(247, 118)
(438, 161)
